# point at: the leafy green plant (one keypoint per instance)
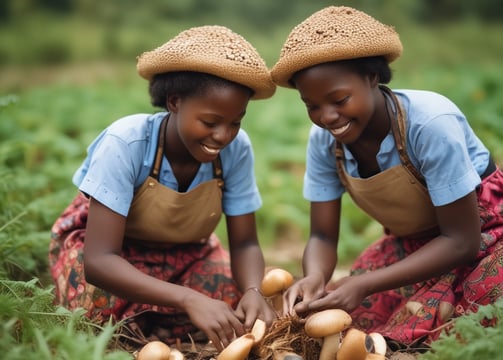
(33, 328)
(468, 339)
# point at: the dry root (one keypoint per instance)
(287, 334)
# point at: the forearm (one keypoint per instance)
(117, 276)
(320, 256)
(247, 264)
(435, 258)
(458, 245)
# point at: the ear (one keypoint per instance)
(373, 80)
(173, 103)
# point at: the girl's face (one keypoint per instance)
(206, 123)
(338, 99)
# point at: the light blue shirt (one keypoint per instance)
(440, 144)
(121, 157)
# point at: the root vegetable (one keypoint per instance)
(154, 350)
(378, 346)
(328, 324)
(274, 283)
(353, 346)
(258, 331)
(238, 349)
(176, 355)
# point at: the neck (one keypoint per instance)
(174, 148)
(379, 126)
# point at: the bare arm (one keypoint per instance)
(457, 245)
(320, 256)
(247, 261)
(106, 269)
(247, 264)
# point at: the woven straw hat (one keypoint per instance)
(214, 50)
(331, 34)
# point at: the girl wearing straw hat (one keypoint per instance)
(407, 158)
(152, 191)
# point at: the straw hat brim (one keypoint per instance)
(332, 34)
(213, 50)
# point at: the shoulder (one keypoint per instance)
(136, 127)
(422, 104)
(320, 135)
(431, 114)
(238, 156)
(320, 139)
(127, 143)
(242, 138)
(240, 143)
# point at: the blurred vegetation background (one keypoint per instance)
(67, 70)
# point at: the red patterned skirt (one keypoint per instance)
(202, 267)
(417, 313)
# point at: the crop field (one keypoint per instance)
(52, 107)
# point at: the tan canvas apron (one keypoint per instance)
(395, 197)
(159, 214)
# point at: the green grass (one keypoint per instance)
(33, 328)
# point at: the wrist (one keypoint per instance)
(253, 288)
(189, 296)
(318, 275)
(368, 283)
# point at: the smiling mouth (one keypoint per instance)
(210, 150)
(340, 130)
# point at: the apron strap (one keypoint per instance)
(339, 162)
(160, 149)
(217, 163)
(398, 128)
(218, 172)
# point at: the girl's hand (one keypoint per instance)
(215, 318)
(346, 293)
(302, 292)
(252, 307)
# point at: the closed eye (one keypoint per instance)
(341, 101)
(311, 108)
(209, 124)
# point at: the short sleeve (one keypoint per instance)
(118, 159)
(442, 153)
(241, 195)
(321, 181)
(109, 177)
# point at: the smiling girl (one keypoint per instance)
(137, 244)
(410, 160)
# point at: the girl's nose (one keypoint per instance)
(329, 116)
(223, 134)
